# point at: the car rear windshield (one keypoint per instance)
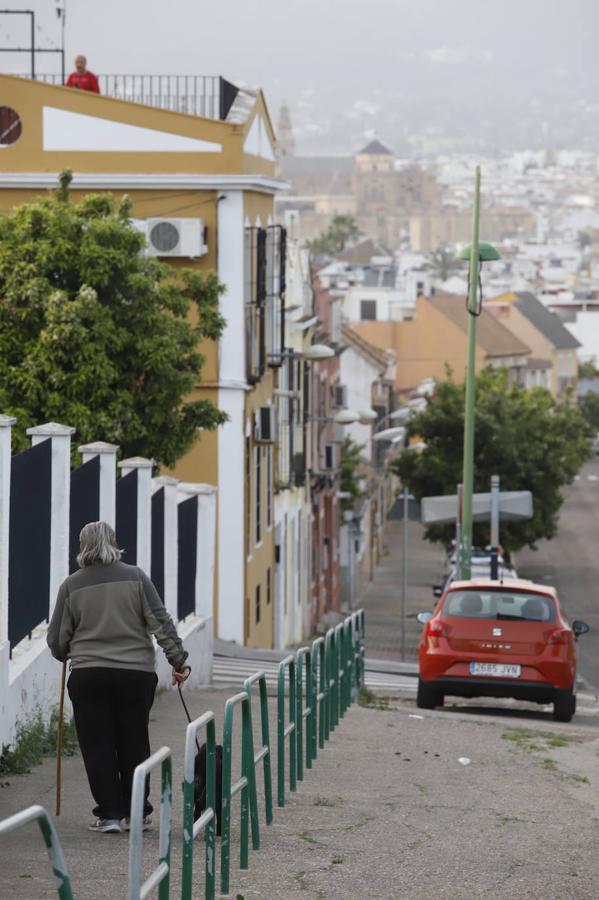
(516, 605)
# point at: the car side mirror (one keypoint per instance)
(424, 617)
(579, 628)
(437, 590)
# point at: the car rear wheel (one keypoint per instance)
(427, 696)
(564, 706)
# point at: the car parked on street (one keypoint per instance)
(477, 570)
(491, 639)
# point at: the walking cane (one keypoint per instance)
(59, 738)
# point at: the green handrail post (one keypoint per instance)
(331, 670)
(355, 643)
(319, 695)
(360, 647)
(161, 874)
(349, 665)
(264, 753)
(286, 730)
(191, 828)
(246, 784)
(341, 671)
(304, 711)
(51, 840)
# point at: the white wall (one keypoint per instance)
(358, 375)
(30, 681)
(231, 399)
(293, 582)
(586, 330)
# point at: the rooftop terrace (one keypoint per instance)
(207, 96)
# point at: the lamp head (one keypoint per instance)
(486, 252)
(316, 352)
(346, 417)
(367, 416)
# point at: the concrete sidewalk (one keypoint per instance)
(382, 597)
(465, 802)
(399, 805)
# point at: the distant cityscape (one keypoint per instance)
(414, 214)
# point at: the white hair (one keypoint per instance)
(97, 541)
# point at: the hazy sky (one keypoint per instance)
(454, 68)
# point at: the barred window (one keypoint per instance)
(258, 487)
(254, 300)
(284, 424)
(276, 251)
(269, 486)
(248, 498)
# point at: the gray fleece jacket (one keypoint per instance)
(104, 616)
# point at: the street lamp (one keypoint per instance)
(367, 416)
(390, 434)
(346, 417)
(477, 252)
(316, 352)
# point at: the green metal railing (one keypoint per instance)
(340, 659)
(246, 784)
(286, 729)
(349, 663)
(331, 668)
(304, 718)
(264, 753)
(319, 696)
(160, 877)
(360, 635)
(192, 828)
(51, 840)
(322, 682)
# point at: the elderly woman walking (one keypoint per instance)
(103, 620)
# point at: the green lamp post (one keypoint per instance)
(477, 252)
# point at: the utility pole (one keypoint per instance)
(495, 498)
(477, 253)
(458, 526)
(404, 572)
(468, 459)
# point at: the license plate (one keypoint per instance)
(495, 670)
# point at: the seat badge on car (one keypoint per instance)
(497, 632)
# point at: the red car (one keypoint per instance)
(488, 639)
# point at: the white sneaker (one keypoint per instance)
(146, 824)
(106, 826)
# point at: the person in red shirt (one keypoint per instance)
(82, 78)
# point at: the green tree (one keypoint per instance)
(443, 263)
(98, 336)
(526, 437)
(588, 369)
(584, 239)
(342, 231)
(589, 407)
(351, 461)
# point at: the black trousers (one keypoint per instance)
(112, 711)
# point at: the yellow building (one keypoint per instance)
(436, 338)
(202, 188)
(545, 334)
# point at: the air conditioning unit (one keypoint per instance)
(265, 425)
(331, 456)
(340, 395)
(173, 237)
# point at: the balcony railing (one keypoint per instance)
(208, 96)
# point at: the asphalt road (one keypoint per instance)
(570, 562)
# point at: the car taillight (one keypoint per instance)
(558, 636)
(436, 628)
